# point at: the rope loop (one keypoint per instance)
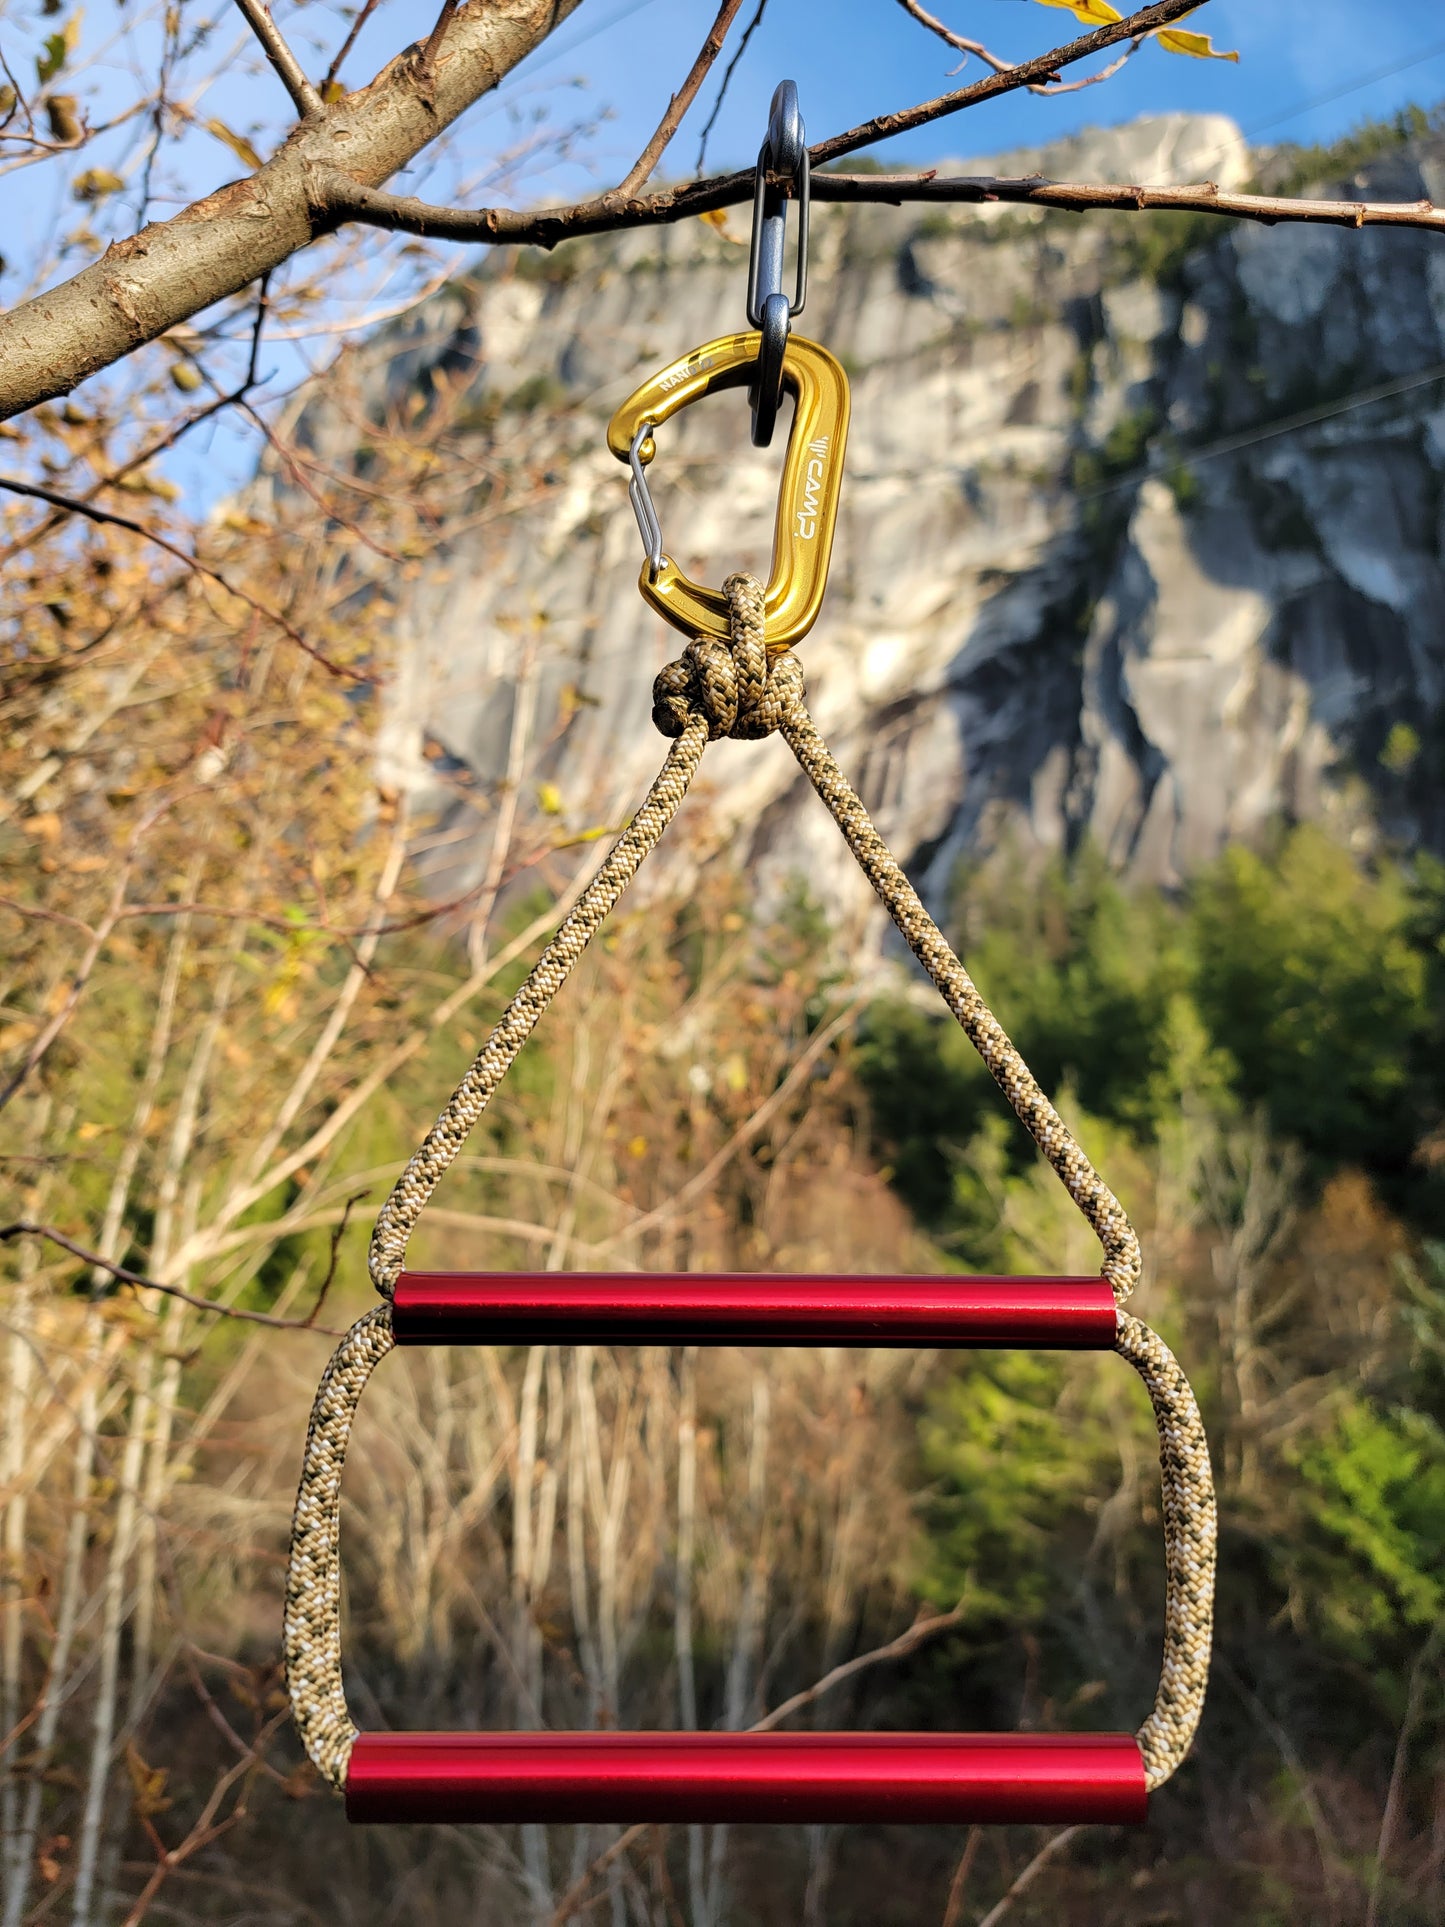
(731, 686)
(313, 1580)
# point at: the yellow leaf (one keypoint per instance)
(550, 798)
(45, 824)
(238, 144)
(186, 376)
(88, 1131)
(717, 220)
(138, 482)
(637, 1147)
(95, 183)
(1098, 13)
(1198, 45)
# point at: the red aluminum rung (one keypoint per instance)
(726, 1308)
(783, 1777)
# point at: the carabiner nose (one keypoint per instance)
(807, 497)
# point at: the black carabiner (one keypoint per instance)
(783, 152)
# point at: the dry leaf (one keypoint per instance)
(95, 183)
(148, 1784)
(63, 113)
(238, 144)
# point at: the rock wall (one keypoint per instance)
(1141, 536)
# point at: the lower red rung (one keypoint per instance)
(787, 1777)
(747, 1308)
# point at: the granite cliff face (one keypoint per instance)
(1141, 538)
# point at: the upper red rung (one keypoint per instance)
(735, 1308)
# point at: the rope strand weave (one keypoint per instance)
(715, 690)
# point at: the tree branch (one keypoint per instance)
(641, 170)
(172, 269)
(338, 196)
(293, 78)
(344, 200)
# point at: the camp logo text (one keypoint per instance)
(806, 519)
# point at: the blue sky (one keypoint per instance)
(872, 56)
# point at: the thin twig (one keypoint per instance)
(106, 518)
(953, 1906)
(961, 44)
(1050, 1850)
(1414, 1702)
(917, 1635)
(23, 1229)
(427, 66)
(338, 1232)
(307, 101)
(1053, 85)
(722, 93)
(363, 14)
(642, 168)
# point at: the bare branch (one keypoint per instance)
(917, 1634)
(960, 43)
(23, 1229)
(345, 201)
(1053, 85)
(677, 106)
(1079, 197)
(702, 1181)
(293, 78)
(107, 518)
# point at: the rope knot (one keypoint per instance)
(730, 685)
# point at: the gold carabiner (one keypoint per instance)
(807, 497)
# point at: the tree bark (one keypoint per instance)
(173, 269)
